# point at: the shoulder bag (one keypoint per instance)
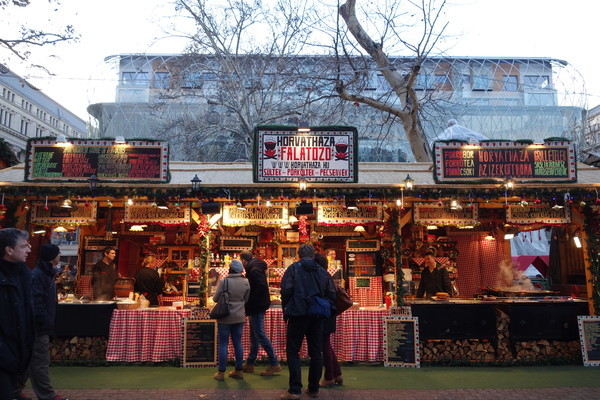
(221, 309)
(342, 300)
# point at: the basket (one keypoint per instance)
(128, 306)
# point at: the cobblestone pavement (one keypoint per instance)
(562, 393)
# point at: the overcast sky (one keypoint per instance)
(509, 28)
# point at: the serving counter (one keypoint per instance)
(463, 327)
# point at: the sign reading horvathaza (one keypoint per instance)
(554, 161)
(338, 214)
(435, 214)
(276, 214)
(137, 160)
(538, 214)
(325, 154)
(148, 213)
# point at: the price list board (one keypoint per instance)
(140, 161)
(553, 161)
(199, 343)
(401, 341)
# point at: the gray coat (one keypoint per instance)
(239, 292)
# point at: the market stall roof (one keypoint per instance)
(239, 175)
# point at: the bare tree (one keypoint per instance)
(246, 66)
(401, 80)
(28, 37)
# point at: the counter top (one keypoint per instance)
(498, 300)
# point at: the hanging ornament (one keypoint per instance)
(45, 204)
(583, 203)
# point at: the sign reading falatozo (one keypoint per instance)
(325, 154)
(553, 161)
(80, 159)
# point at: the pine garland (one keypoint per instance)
(592, 227)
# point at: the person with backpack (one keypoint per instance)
(307, 299)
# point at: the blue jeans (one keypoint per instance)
(235, 330)
(259, 337)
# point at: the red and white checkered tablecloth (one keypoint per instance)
(146, 335)
(84, 286)
(359, 336)
(366, 296)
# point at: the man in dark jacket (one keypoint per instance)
(16, 310)
(105, 275)
(434, 278)
(44, 307)
(301, 281)
(256, 308)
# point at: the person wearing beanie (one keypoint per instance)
(256, 308)
(238, 288)
(44, 308)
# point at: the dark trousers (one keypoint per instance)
(297, 328)
(332, 367)
(8, 384)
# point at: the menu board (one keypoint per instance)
(538, 214)
(554, 161)
(54, 214)
(401, 341)
(80, 159)
(276, 214)
(589, 336)
(146, 213)
(199, 343)
(323, 154)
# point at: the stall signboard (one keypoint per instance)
(589, 336)
(553, 161)
(323, 154)
(234, 243)
(335, 230)
(99, 242)
(338, 214)
(537, 214)
(137, 160)
(53, 214)
(442, 215)
(401, 341)
(148, 213)
(276, 214)
(199, 343)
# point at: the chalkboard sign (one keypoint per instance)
(99, 243)
(199, 343)
(136, 160)
(589, 336)
(233, 243)
(363, 282)
(362, 245)
(401, 341)
(554, 161)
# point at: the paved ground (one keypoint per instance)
(336, 394)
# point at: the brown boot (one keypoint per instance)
(327, 384)
(271, 370)
(237, 374)
(219, 376)
(248, 368)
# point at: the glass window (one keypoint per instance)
(192, 80)
(536, 81)
(135, 79)
(510, 83)
(424, 82)
(161, 80)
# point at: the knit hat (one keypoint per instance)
(236, 266)
(49, 252)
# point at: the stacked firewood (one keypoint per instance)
(504, 352)
(457, 350)
(547, 349)
(78, 348)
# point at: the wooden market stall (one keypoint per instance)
(378, 226)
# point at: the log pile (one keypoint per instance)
(470, 350)
(541, 350)
(78, 348)
(504, 352)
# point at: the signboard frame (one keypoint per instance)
(388, 337)
(497, 160)
(226, 243)
(591, 356)
(246, 215)
(553, 219)
(131, 218)
(421, 220)
(331, 213)
(46, 160)
(325, 154)
(186, 333)
(41, 214)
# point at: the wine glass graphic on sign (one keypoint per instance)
(341, 151)
(270, 152)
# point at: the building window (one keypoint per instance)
(531, 82)
(134, 79)
(24, 126)
(424, 82)
(510, 83)
(161, 80)
(192, 80)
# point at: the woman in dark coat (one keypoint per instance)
(333, 372)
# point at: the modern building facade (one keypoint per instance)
(26, 112)
(591, 146)
(207, 106)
